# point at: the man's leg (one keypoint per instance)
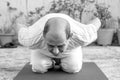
(40, 63)
(73, 62)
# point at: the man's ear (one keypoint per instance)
(68, 32)
(45, 31)
(69, 35)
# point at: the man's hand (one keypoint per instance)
(96, 22)
(56, 63)
(18, 26)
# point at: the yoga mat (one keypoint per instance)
(90, 71)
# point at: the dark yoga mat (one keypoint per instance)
(90, 71)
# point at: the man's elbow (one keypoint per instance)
(96, 22)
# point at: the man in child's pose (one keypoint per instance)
(57, 36)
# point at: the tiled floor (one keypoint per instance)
(107, 58)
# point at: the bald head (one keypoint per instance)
(56, 31)
(57, 28)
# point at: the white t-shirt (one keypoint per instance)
(32, 36)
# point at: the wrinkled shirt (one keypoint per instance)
(83, 34)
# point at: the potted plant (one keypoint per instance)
(35, 15)
(105, 34)
(118, 31)
(7, 33)
(69, 7)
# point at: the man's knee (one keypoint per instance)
(42, 66)
(71, 67)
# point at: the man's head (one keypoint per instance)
(56, 34)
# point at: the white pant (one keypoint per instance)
(71, 61)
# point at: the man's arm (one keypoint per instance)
(91, 30)
(18, 27)
(22, 31)
(86, 34)
(28, 36)
(96, 22)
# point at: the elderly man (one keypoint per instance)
(57, 36)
